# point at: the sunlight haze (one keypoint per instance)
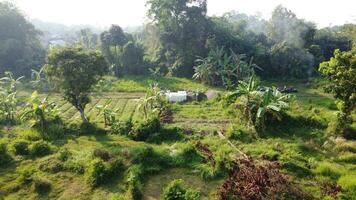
(133, 12)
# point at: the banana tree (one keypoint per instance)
(154, 102)
(270, 105)
(38, 111)
(109, 114)
(203, 71)
(38, 79)
(258, 104)
(8, 97)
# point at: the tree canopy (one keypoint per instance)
(341, 72)
(75, 71)
(20, 49)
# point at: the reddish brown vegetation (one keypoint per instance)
(208, 155)
(330, 189)
(249, 180)
(166, 116)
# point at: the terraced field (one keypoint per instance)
(188, 115)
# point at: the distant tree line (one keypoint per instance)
(181, 40)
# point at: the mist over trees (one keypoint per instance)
(20, 48)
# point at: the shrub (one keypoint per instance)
(142, 130)
(42, 185)
(150, 159)
(251, 180)
(52, 165)
(134, 174)
(235, 133)
(166, 134)
(27, 175)
(116, 166)
(4, 155)
(176, 190)
(102, 154)
(64, 154)
(53, 131)
(134, 192)
(96, 172)
(207, 172)
(20, 147)
(30, 134)
(89, 128)
(40, 148)
(123, 128)
(74, 167)
(186, 155)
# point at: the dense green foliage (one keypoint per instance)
(20, 48)
(75, 72)
(176, 190)
(238, 135)
(341, 72)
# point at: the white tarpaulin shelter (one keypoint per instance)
(179, 96)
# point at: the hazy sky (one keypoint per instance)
(132, 12)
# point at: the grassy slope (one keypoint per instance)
(297, 145)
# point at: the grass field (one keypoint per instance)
(302, 146)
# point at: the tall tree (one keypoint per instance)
(182, 29)
(20, 49)
(75, 71)
(341, 72)
(112, 42)
(132, 59)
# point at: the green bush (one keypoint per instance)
(26, 175)
(96, 172)
(166, 135)
(89, 128)
(42, 185)
(238, 134)
(40, 148)
(207, 172)
(176, 190)
(151, 160)
(20, 147)
(53, 131)
(142, 130)
(135, 174)
(4, 155)
(30, 134)
(123, 128)
(186, 155)
(116, 166)
(64, 154)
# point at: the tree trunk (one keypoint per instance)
(82, 115)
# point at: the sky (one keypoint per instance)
(128, 13)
